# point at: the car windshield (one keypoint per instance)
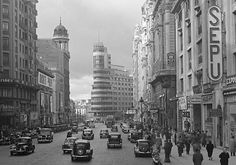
(104, 131)
(22, 140)
(82, 145)
(143, 144)
(45, 132)
(87, 132)
(69, 140)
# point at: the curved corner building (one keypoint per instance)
(101, 96)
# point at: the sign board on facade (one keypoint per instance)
(183, 103)
(44, 80)
(231, 80)
(214, 44)
(215, 112)
(186, 114)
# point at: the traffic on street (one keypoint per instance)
(52, 153)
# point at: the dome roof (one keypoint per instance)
(60, 31)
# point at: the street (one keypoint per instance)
(51, 153)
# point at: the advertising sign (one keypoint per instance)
(214, 44)
(183, 103)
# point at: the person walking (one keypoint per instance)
(167, 146)
(232, 146)
(197, 157)
(224, 157)
(187, 145)
(209, 148)
(180, 146)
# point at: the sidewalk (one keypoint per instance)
(187, 159)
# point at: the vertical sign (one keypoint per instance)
(214, 44)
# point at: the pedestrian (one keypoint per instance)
(187, 145)
(197, 157)
(224, 157)
(232, 146)
(209, 148)
(180, 146)
(203, 138)
(167, 146)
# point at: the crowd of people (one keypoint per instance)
(186, 140)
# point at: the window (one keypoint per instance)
(189, 59)
(6, 61)
(199, 24)
(5, 44)
(189, 82)
(235, 29)
(181, 85)
(181, 42)
(5, 26)
(5, 73)
(189, 33)
(199, 48)
(187, 10)
(181, 65)
(180, 20)
(16, 61)
(235, 63)
(5, 12)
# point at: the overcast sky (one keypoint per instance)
(114, 20)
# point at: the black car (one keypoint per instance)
(74, 129)
(81, 150)
(114, 128)
(135, 135)
(88, 134)
(143, 148)
(23, 145)
(104, 133)
(45, 135)
(114, 140)
(68, 144)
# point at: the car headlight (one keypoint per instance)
(25, 146)
(13, 147)
(88, 151)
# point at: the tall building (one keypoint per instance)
(55, 53)
(204, 58)
(17, 63)
(162, 62)
(108, 96)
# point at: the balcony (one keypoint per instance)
(197, 89)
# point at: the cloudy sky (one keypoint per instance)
(114, 20)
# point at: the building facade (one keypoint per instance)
(17, 63)
(45, 82)
(55, 53)
(205, 67)
(111, 90)
(162, 61)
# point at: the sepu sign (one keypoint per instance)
(214, 44)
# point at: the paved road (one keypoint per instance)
(51, 154)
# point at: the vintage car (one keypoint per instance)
(88, 134)
(45, 135)
(81, 150)
(125, 129)
(114, 128)
(23, 145)
(74, 129)
(135, 135)
(104, 133)
(143, 148)
(68, 144)
(114, 140)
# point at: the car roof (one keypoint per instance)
(73, 137)
(82, 141)
(46, 129)
(115, 133)
(87, 129)
(25, 137)
(142, 140)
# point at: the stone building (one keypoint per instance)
(18, 89)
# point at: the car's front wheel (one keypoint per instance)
(11, 153)
(72, 158)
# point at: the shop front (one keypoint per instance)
(229, 113)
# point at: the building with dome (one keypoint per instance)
(55, 54)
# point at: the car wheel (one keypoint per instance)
(33, 150)
(64, 151)
(136, 155)
(11, 153)
(108, 146)
(72, 158)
